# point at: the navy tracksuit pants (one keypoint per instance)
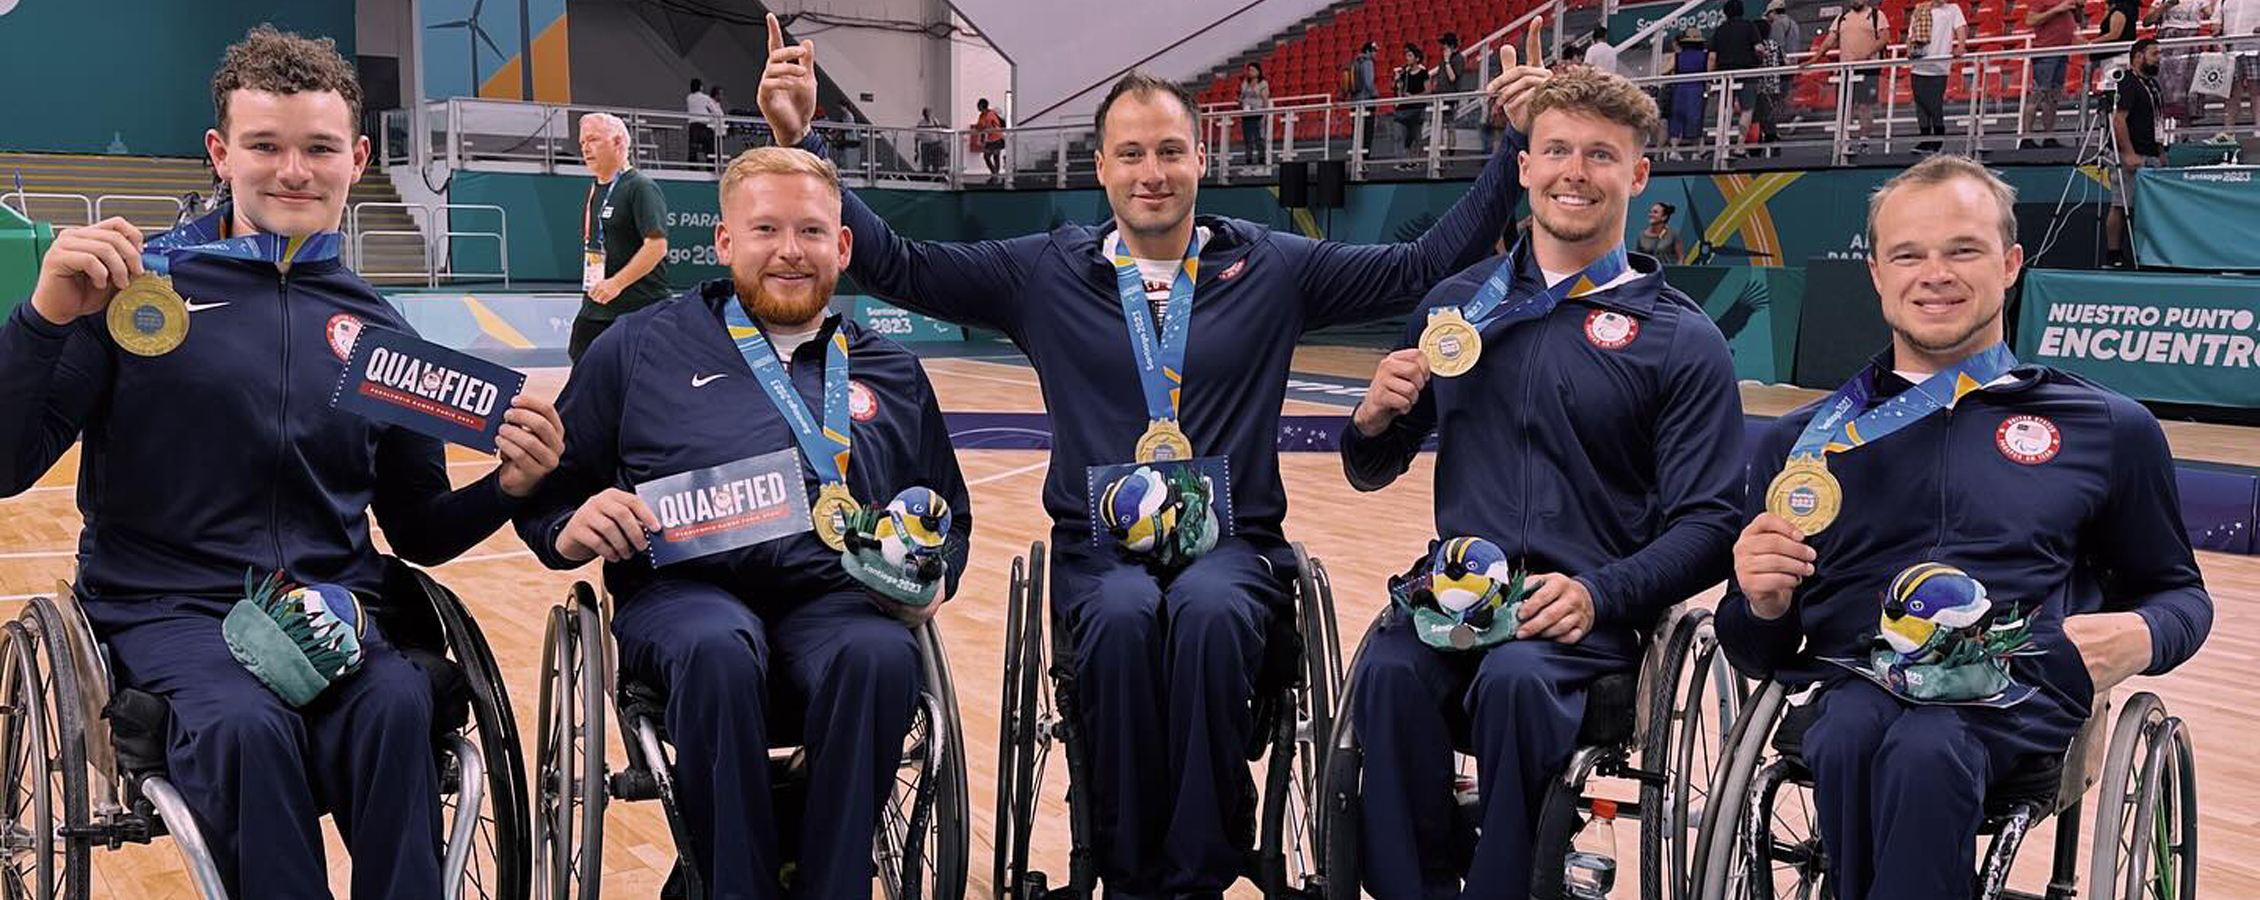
(258, 774)
(1165, 669)
(1906, 783)
(1515, 706)
(854, 669)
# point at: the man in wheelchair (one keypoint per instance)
(215, 478)
(731, 373)
(1590, 451)
(1937, 585)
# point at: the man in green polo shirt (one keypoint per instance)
(623, 234)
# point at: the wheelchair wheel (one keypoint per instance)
(921, 849)
(498, 867)
(45, 779)
(1337, 806)
(1720, 869)
(2146, 812)
(1024, 741)
(570, 786)
(1693, 700)
(1293, 823)
(51, 656)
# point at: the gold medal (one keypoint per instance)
(834, 506)
(148, 317)
(1805, 494)
(1164, 442)
(1450, 343)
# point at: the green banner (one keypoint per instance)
(2203, 214)
(902, 325)
(2153, 336)
(1628, 20)
(1755, 307)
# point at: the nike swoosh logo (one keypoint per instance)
(699, 381)
(200, 307)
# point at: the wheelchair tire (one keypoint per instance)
(1686, 744)
(1718, 858)
(1017, 778)
(1338, 800)
(570, 785)
(501, 864)
(43, 788)
(67, 733)
(2145, 811)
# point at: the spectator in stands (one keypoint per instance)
(1857, 34)
(2241, 17)
(1734, 45)
(931, 153)
(705, 122)
(1451, 77)
(1787, 37)
(1687, 96)
(2117, 27)
(1362, 87)
(1658, 239)
(2054, 23)
(1937, 34)
(2134, 131)
(1599, 53)
(988, 138)
(623, 234)
(2177, 19)
(1255, 93)
(1411, 80)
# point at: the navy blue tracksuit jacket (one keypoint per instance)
(2049, 489)
(224, 456)
(1602, 441)
(1170, 661)
(748, 643)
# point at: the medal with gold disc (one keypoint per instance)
(1452, 341)
(1164, 442)
(1805, 494)
(825, 444)
(833, 510)
(148, 318)
(1159, 352)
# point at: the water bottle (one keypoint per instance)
(1591, 869)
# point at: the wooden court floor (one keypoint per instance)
(511, 593)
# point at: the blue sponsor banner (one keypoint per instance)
(736, 504)
(395, 377)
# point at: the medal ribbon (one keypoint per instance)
(1161, 364)
(1490, 303)
(1834, 429)
(158, 254)
(825, 445)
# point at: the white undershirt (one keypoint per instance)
(1628, 275)
(1158, 274)
(786, 342)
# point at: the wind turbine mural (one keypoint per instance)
(475, 33)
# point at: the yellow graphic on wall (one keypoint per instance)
(1746, 215)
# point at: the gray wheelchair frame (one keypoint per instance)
(580, 678)
(58, 700)
(1294, 711)
(2146, 812)
(1682, 682)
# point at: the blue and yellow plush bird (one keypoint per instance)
(1468, 596)
(1940, 638)
(899, 550)
(1162, 514)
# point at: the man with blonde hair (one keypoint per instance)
(2036, 500)
(623, 233)
(731, 370)
(1595, 441)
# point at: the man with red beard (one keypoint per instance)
(695, 382)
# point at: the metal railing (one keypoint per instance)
(23, 202)
(171, 216)
(436, 241)
(1434, 134)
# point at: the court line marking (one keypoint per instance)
(1000, 476)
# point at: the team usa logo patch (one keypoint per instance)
(2030, 440)
(1233, 271)
(863, 406)
(343, 330)
(1610, 330)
